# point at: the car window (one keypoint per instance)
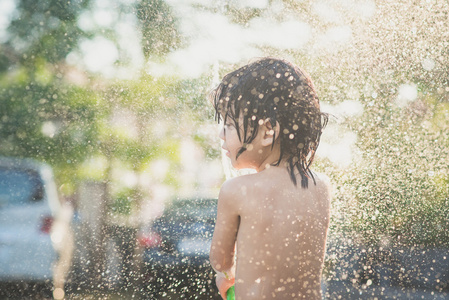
(184, 216)
(18, 187)
(198, 210)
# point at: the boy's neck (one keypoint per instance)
(282, 165)
(271, 160)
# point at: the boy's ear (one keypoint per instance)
(270, 133)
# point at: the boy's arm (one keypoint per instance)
(223, 242)
(223, 284)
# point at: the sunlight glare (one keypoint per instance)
(7, 8)
(406, 94)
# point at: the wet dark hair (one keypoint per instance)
(281, 92)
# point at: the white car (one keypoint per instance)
(29, 205)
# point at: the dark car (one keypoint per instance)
(176, 255)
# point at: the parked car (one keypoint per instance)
(176, 255)
(29, 206)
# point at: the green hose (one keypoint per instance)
(230, 293)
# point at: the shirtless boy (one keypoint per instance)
(271, 226)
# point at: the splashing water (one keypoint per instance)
(380, 68)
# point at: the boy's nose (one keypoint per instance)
(221, 135)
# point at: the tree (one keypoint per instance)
(160, 34)
(43, 30)
(48, 122)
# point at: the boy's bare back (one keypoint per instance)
(281, 234)
(274, 221)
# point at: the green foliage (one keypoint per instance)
(159, 27)
(122, 202)
(48, 122)
(205, 143)
(44, 29)
(399, 190)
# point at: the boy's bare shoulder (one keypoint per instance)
(233, 193)
(323, 181)
(267, 182)
(238, 186)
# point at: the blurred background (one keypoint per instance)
(111, 95)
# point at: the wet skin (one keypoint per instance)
(277, 230)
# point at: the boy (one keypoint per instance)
(276, 227)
